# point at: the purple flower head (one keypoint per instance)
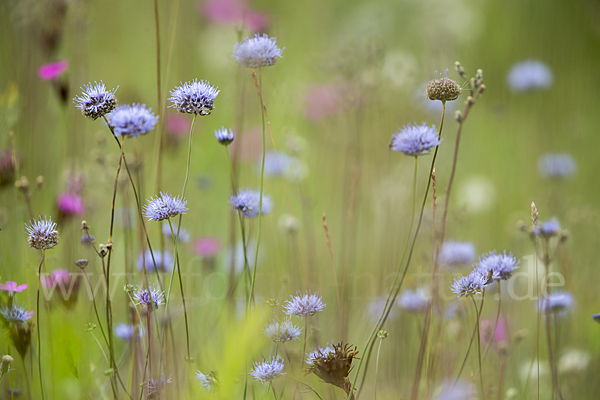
(164, 206)
(52, 71)
(207, 246)
(501, 265)
(303, 305)
(282, 331)
(456, 254)
(164, 261)
(248, 203)
(259, 51)
(42, 234)
(126, 332)
(151, 297)
(320, 352)
(415, 140)
(194, 97)
(16, 313)
(267, 370)
(556, 166)
(132, 120)
(155, 386)
(414, 300)
(529, 75)
(70, 204)
(548, 229)
(557, 303)
(12, 287)
(470, 284)
(96, 101)
(224, 136)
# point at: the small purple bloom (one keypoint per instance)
(70, 204)
(556, 166)
(42, 234)
(415, 140)
(456, 254)
(304, 305)
(164, 262)
(96, 101)
(259, 51)
(414, 300)
(16, 313)
(248, 203)
(164, 206)
(150, 297)
(52, 71)
(266, 371)
(132, 120)
(529, 75)
(224, 136)
(557, 303)
(470, 284)
(548, 228)
(207, 246)
(501, 265)
(194, 97)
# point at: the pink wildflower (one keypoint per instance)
(52, 71)
(12, 287)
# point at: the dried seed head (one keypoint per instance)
(444, 89)
(535, 221)
(82, 263)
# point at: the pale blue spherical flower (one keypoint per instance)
(529, 75)
(456, 254)
(207, 382)
(96, 101)
(470, 284)
(151, 297)
(42, 234)
(451, 390)
(16, 313)
(558, 303)
(414, 300)
(282, 331)
(259, 51)
(248, 203)
(126, 332)
(267, 370)
(548, 229)
(224, 136)
(132, 120)
(557, 166)
(303, 305)
(415, 140)
(501, 265)
(164, 261)
(194, 97)
(320, 352)
(164, 206)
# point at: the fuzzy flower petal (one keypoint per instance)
(16, 313)
(194, 97)
(556, 166)
(456, 254)
(164, 206)
(12, 287)
(501, 265)
(42, 234)
(248, 203)
(52, 71)
(132, 120)
(260, 51)
(282, 331)
(266, 371)
(96, 101)
(415, 140)
(304, 305)
(529, 75)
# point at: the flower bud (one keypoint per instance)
(444, 89)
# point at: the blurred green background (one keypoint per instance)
(380, 53)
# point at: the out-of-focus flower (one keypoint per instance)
(496, 337)
(70, 204)
(68, 284)
(415, 140)
(414, 300)
(573, 361)
(12, 287)
(557, 303)
(207, 382)
(126, 332)
(155, 386)
(547, 229)
(207, 246)
(456, 254)
(556, 166)
(234, 12)
(224, 136)
(164, 262)
(529, 75)
(451, 390)
(42, 234)
(259, 51)
(132, 120)
(266, 371)
(96, 101)
(324, 100)
(282, 331)
(177, 125)
(194, 97)
(164, 206)
(248, 203)
(304, 305)
(52, 71)
(16, 313)
(333, 365)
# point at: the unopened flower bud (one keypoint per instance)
(272, 303)
(458, 116)
(5, 365)
(564, 235)
(90, 326)
(109, 372)
(39, 182)
(382, 334)
(128, 288)
(82, 263)
(84, 226)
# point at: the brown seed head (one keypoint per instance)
(444, 89)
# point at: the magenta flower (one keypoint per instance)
(177, 125)
(234, 12)
(56, 277)
(207, 246)
(12, 287)
(69, 204)
(52, 71)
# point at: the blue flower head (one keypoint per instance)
(266, 371)
(415, 140)
(320, 352)
(501, 265)
(470, 284)
(456, 254)
(556, 166)
(303, 305)
(132, 120)
(248, 203)
(282, 331)
(207, 382)
(224, 136)
(529, 75)
(164, 206)
(151, 297)
(260, 51)
(96, 101)
(548, 229)
(42, 234)
(194, 97)
(414, 300)
(557, 303)
(16, 313)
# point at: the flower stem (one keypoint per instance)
(377, 367)
(39, 338)
(477, 312)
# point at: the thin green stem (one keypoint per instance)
(39, 338)
(101, 349)
(273, 388)
(472, 339)
(479, 347)
(377, 367)
(495, 323)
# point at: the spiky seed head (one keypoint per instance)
(444, 89)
